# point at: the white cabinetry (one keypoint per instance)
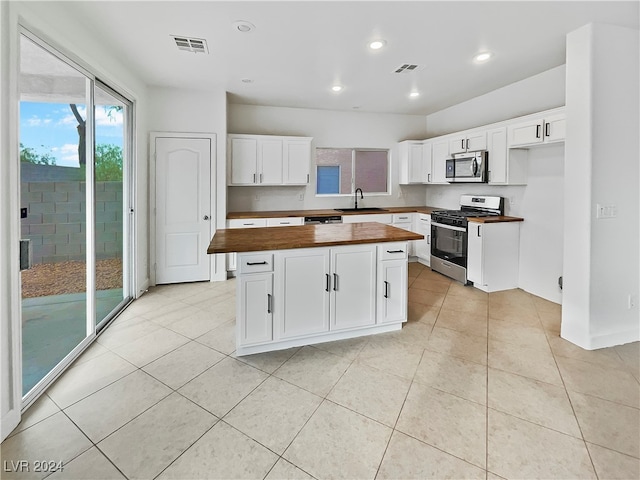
(385, 218)
(423, 247)
(506, 167)
(415, 162)
(304, 286)
(468, 142)
(493, 255)
(392, 283)
(268, 160)
(255, 291)
(285, 221)
(405, 222)
(242, 223)
(439, 155)
(547, 129)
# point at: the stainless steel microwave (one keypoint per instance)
(470, 167)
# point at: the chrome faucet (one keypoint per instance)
(361, 197)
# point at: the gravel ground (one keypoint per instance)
(69, 277)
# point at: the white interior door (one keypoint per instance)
(183, 203)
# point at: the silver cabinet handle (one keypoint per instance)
(428, 239)
(386, 289)
(269, 300)
(206, 217)
(335, 282)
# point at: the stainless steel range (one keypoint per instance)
(449, 233)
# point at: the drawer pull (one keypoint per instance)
(248, 224)
(395, 251)
(256, 263)
(269, 299)
(386, 289)
(335, 282)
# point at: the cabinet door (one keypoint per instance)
(555, 128)
(476, 141)
(392, 291)
(439, 160)
(353, 286)
(270, 161)
(475, 254)
(297, 158)
(527, 133)
(256, 317)
(303, 283)
(244, 154)
(423, 247)
(458, 145)
(497, 147)
(415, 163)
(427, 161)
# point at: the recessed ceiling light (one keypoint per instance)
(377, 44)
(337, 88)
(414, 94)
(482, 57)
(243, 26)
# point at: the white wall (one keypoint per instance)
(187, 111)
(53, 23)
(540, 202)
(602, 268)
(531, 95)
(328, 129)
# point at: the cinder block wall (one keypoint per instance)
(56, 221)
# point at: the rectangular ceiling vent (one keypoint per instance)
(407, 68)
(195, 45)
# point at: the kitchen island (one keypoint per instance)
(316, 283)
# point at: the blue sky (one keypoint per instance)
(51, 128)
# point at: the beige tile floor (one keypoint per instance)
(474, 386)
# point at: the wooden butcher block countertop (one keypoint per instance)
(306, 236)
(326, 212)
(497, 219)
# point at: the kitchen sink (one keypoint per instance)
(361, 209)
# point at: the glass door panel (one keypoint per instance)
(53, 174)
(111, 221)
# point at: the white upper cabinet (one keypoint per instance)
(297, 156)
(468, 142)
(268, 160)
(547, 129)
(506, 167)
(415, 162)
(439, 155)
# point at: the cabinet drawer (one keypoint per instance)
(392, 251)
(246, 222)
(284, 222)
(424, 218)
(260, 262)
(402, 218)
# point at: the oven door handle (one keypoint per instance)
(448, 227)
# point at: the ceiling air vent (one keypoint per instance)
(407, 68)
(195, 45)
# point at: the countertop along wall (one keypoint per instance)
(541, 201)
(328, 129)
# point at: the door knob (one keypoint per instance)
(206, 217)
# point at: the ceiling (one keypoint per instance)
(298, 50)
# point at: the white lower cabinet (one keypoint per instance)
(392, 284)
(256, 324)
(422, 248)
(493, 255)
(320, 294)
(405, 222)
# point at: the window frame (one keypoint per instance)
(353, 170)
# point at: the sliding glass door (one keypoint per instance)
(74, 143)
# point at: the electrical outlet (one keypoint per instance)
(512, 201)
(257, 197)
(606, 211)
(301, 197)
(631, 301)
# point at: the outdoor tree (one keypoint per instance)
(108, 162)
(82, 135)
(29, 155)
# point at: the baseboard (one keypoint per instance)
(143, 288)
(615, 338)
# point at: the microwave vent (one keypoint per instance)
(195, 45)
